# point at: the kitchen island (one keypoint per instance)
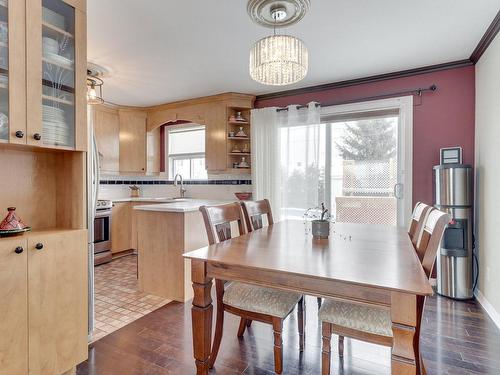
(164, 232)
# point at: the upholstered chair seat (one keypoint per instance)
(261, 300)
(358, 317)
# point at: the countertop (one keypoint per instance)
(186, 205)
(149, 199)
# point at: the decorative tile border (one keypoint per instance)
(166, 182)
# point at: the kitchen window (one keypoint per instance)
(186, 152)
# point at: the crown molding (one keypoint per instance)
(370, 79)
(486, 40)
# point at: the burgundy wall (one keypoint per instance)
(440, 119)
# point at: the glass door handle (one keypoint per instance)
(398, 190)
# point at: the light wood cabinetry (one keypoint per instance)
(13, 308)
(121, 227)
(132, 141)
(56, 76)
(43, 309)
(106, 124)
(238, 146)
(123, 142)
(211, 111)
(57, 286)
(153, 151)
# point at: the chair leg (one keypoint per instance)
(326, 349)
(219, 328)
(301, 322)
(320, 301)
(278, 345)
(249, 322)
(241, 328)
(341, 346)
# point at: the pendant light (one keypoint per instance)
(278, 59)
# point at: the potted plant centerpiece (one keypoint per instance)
(320, 226)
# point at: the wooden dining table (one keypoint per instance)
(362, 263)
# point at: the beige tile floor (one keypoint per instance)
(118, 300)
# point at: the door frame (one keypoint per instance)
(405, 143)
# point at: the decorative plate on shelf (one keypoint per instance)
(13, 232)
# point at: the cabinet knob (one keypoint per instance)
(19, 134)
(19, 250)
(37, 136)
(39, 246)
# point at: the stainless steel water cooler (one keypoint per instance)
(455, 257)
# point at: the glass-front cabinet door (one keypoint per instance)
(56, 53)
(12, 71)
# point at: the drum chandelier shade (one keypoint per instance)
(279, 60)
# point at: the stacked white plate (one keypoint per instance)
(55, 129)
(53, 18)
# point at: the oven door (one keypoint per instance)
(102, 231)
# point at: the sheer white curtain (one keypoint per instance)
(288, 158)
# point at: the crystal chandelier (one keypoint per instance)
(277, 59)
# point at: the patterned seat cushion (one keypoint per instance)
(358, 317)
(260, 300)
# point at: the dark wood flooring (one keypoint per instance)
(457, 338)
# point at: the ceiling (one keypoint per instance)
(164, 50)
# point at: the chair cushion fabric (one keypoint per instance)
(358, 317)
(261, 300)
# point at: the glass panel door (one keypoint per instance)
(363, 182)
(58, 73)
(4, 71)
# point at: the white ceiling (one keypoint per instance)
(166, 50)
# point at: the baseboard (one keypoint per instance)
(123, 253)
(494, 315)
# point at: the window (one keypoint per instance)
(186, 152)
(349, 161)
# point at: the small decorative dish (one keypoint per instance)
(13, 232)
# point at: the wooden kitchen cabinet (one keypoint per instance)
(153, 152)
(13, 307)
(132, 141)
(106, 124)
(57, 303)
(121, 227)
(56, 72)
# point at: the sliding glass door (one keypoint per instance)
(357, 161)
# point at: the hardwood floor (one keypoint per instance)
(457, 338)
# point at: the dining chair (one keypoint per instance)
(249, 302)
(372, 324)
(254, 211)
(417, 221)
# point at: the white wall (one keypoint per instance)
(487, 161)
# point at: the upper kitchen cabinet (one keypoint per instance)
(56, 74)
(133, 141)
(12, 71)
(106, 124)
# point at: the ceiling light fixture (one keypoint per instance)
(94, 89)
(278, 59)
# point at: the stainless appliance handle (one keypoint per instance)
(96, 176)
(398, 188)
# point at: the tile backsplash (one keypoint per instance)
(220, 187)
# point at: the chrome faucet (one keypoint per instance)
(177, 178)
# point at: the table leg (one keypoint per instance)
(406, 313)
(201, 315)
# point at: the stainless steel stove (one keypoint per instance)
(102, 232)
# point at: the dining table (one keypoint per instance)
(367, 264)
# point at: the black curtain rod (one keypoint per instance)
(418, 91)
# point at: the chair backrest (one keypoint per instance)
(429, 241)
(254, 210)
(417, 221)
(218, 221)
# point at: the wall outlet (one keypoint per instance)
(487, 274)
